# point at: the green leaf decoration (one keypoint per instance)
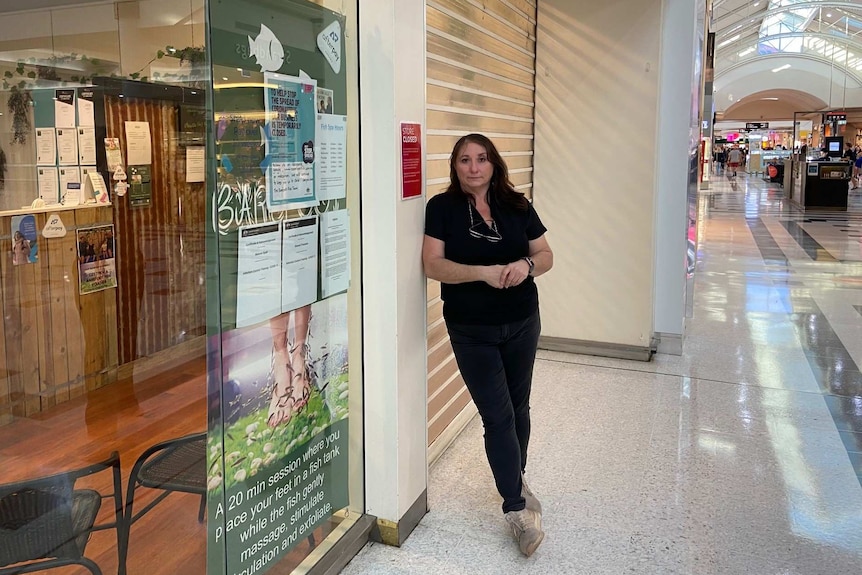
(135, 75)
(160, 54)
(7, 74)
(31, 74)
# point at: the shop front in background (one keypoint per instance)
(120, 212)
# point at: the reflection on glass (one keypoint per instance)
(104, 320)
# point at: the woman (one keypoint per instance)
(20, 249)
(485, 243)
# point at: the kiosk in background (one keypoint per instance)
(834, 146)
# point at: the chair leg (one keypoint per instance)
(123, 551)
(203, 508)
(91, 565)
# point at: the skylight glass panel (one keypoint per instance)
(791, 20)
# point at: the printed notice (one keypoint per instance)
(290, 141)
(196, 164)
(67, 146)
(258, 284)
(46, 146)
(334, 252)
(113, 154)
(331, 177)
(299, 265)
(64, 108)
(86, 145)
(86, 112)
(139, 147)
(49, 184)
(68, 175)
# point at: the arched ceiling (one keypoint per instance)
(786, 49)
(772, 104)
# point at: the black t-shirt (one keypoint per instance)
(447, 218)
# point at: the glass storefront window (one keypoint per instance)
(138, 318)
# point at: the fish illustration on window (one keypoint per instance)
(267, 50)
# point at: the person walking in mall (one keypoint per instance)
(486, 244)
(720, 158)
(734, 159)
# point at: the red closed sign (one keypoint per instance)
(411, 160)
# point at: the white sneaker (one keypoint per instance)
(527, 528)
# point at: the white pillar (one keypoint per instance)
(677, 138)
(392, 90)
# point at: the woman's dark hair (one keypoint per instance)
(501, 188)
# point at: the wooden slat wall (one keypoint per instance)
(54, 343)
(480, 78)
(160, 248)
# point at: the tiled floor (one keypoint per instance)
(742, 456)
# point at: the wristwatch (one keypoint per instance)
(531, 263)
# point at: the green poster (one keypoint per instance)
(140, 186)
(278, 417)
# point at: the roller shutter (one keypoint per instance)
(480, 78)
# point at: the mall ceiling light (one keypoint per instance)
(746, 52)
(780, 68)
(771, 99)
(729, 41)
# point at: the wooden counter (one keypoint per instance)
(54, 343)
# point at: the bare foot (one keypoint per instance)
(301, 382)
(282, 402)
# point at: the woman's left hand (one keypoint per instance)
(514, 273)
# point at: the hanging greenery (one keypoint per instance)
(19, 104)
(2, 169)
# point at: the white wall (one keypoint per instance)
(595, 170)
(392, 89)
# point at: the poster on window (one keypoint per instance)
(284, 432)
(96, 266)
(25, 249)
(278, 380)
(290, 141)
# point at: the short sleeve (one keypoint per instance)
(435, 218)
(535, 227)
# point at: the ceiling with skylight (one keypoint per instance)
(814, 47)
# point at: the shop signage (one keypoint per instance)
(836, 117)
(756, 126)
(411, 160)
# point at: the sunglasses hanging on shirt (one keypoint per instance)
(476, 228)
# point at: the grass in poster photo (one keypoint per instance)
(251, 360)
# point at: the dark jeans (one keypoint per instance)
(496, 362)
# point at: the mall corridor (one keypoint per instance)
(743, 456)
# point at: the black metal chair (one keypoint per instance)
(46, 523)
(174, 465)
